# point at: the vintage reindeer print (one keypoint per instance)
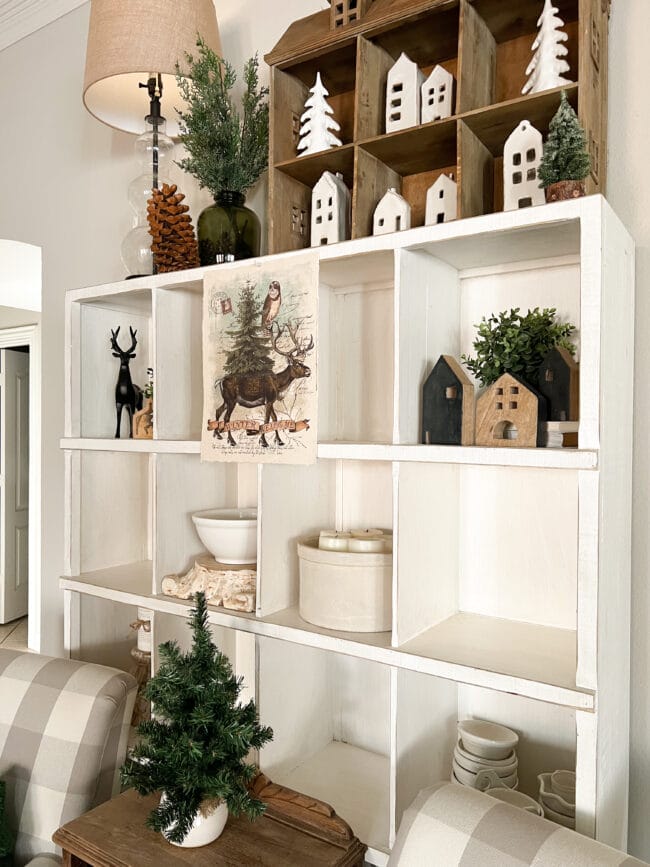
(260, 362)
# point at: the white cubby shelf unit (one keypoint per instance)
(511, 578)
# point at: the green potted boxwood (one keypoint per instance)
(226, 151)
(194, 749)
(565, 163)
(514, 343)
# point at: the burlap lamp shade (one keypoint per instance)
(127, 39)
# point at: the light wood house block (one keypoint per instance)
(511, 566)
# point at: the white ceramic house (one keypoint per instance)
(330, 210)
(392, 214)
(522, 155)
(438, 95)
(403, 95)
(442, 201)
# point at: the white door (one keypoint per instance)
(14, 483)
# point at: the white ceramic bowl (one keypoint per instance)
(563, 783)
(564, 806)
(230, 535)
(486, 739)
(517, 799)
(485, 763)
(474, 767)
(467, 778)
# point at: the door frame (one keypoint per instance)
(11, 338)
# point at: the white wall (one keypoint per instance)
(64, 188)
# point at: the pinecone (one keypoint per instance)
(173, 241)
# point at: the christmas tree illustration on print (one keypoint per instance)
(317, 124)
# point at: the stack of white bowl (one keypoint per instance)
(485, 756)
(557, 796)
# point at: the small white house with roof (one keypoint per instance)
(442, 201)
(403, 94)
(522, 155)
(392, 214)
(438, 95)
(330, 210)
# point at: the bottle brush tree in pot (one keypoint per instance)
(194, 750)
(565, 163)
(512, 343)
(227, 151)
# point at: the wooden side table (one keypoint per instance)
(295, 831)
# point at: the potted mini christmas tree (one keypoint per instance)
(565, 163)
(195, 748)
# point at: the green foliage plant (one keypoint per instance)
(249, 352)
(226, 150)
(194, 748)
(565, 151)
(512, 343)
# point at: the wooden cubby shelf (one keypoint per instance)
(485, 44)
(511, 566)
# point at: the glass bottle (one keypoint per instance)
(228, 230)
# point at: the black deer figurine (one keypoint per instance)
(127, 395)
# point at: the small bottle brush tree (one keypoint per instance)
(546, 69)
(512, 343)
(317, 123)
(565, 151)
(195, 748)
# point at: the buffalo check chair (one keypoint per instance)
(64, 728)
(453, 826)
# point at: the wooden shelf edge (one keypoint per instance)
(181, 447)
(565, 696)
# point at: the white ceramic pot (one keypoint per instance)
(565, 821)
(230, 535)
(487, 740)
(484, 779)
(347, 591)
(475, 766)
(564, 806)
(205, 829)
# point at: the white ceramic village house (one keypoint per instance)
(442, 201)
(403, 95)
(392, 214)
(438, 95)
(522, 155)
(330, 210)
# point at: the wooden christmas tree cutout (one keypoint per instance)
(317, 123)
(546, 69)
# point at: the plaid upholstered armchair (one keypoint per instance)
(454, 826)
(63, 734)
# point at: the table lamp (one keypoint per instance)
(135, 45)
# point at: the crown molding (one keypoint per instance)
(19, 18)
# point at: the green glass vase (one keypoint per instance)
(228, 230)
(6, 837)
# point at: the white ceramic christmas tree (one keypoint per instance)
(546, 69)
(317, 125)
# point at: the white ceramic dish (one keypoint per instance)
(473, 780)
(558, 818)
(551, 800)
(230, 535)
(517, 799)
(563, 783)
(475, 766)
(485, 763)
(486, 739)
